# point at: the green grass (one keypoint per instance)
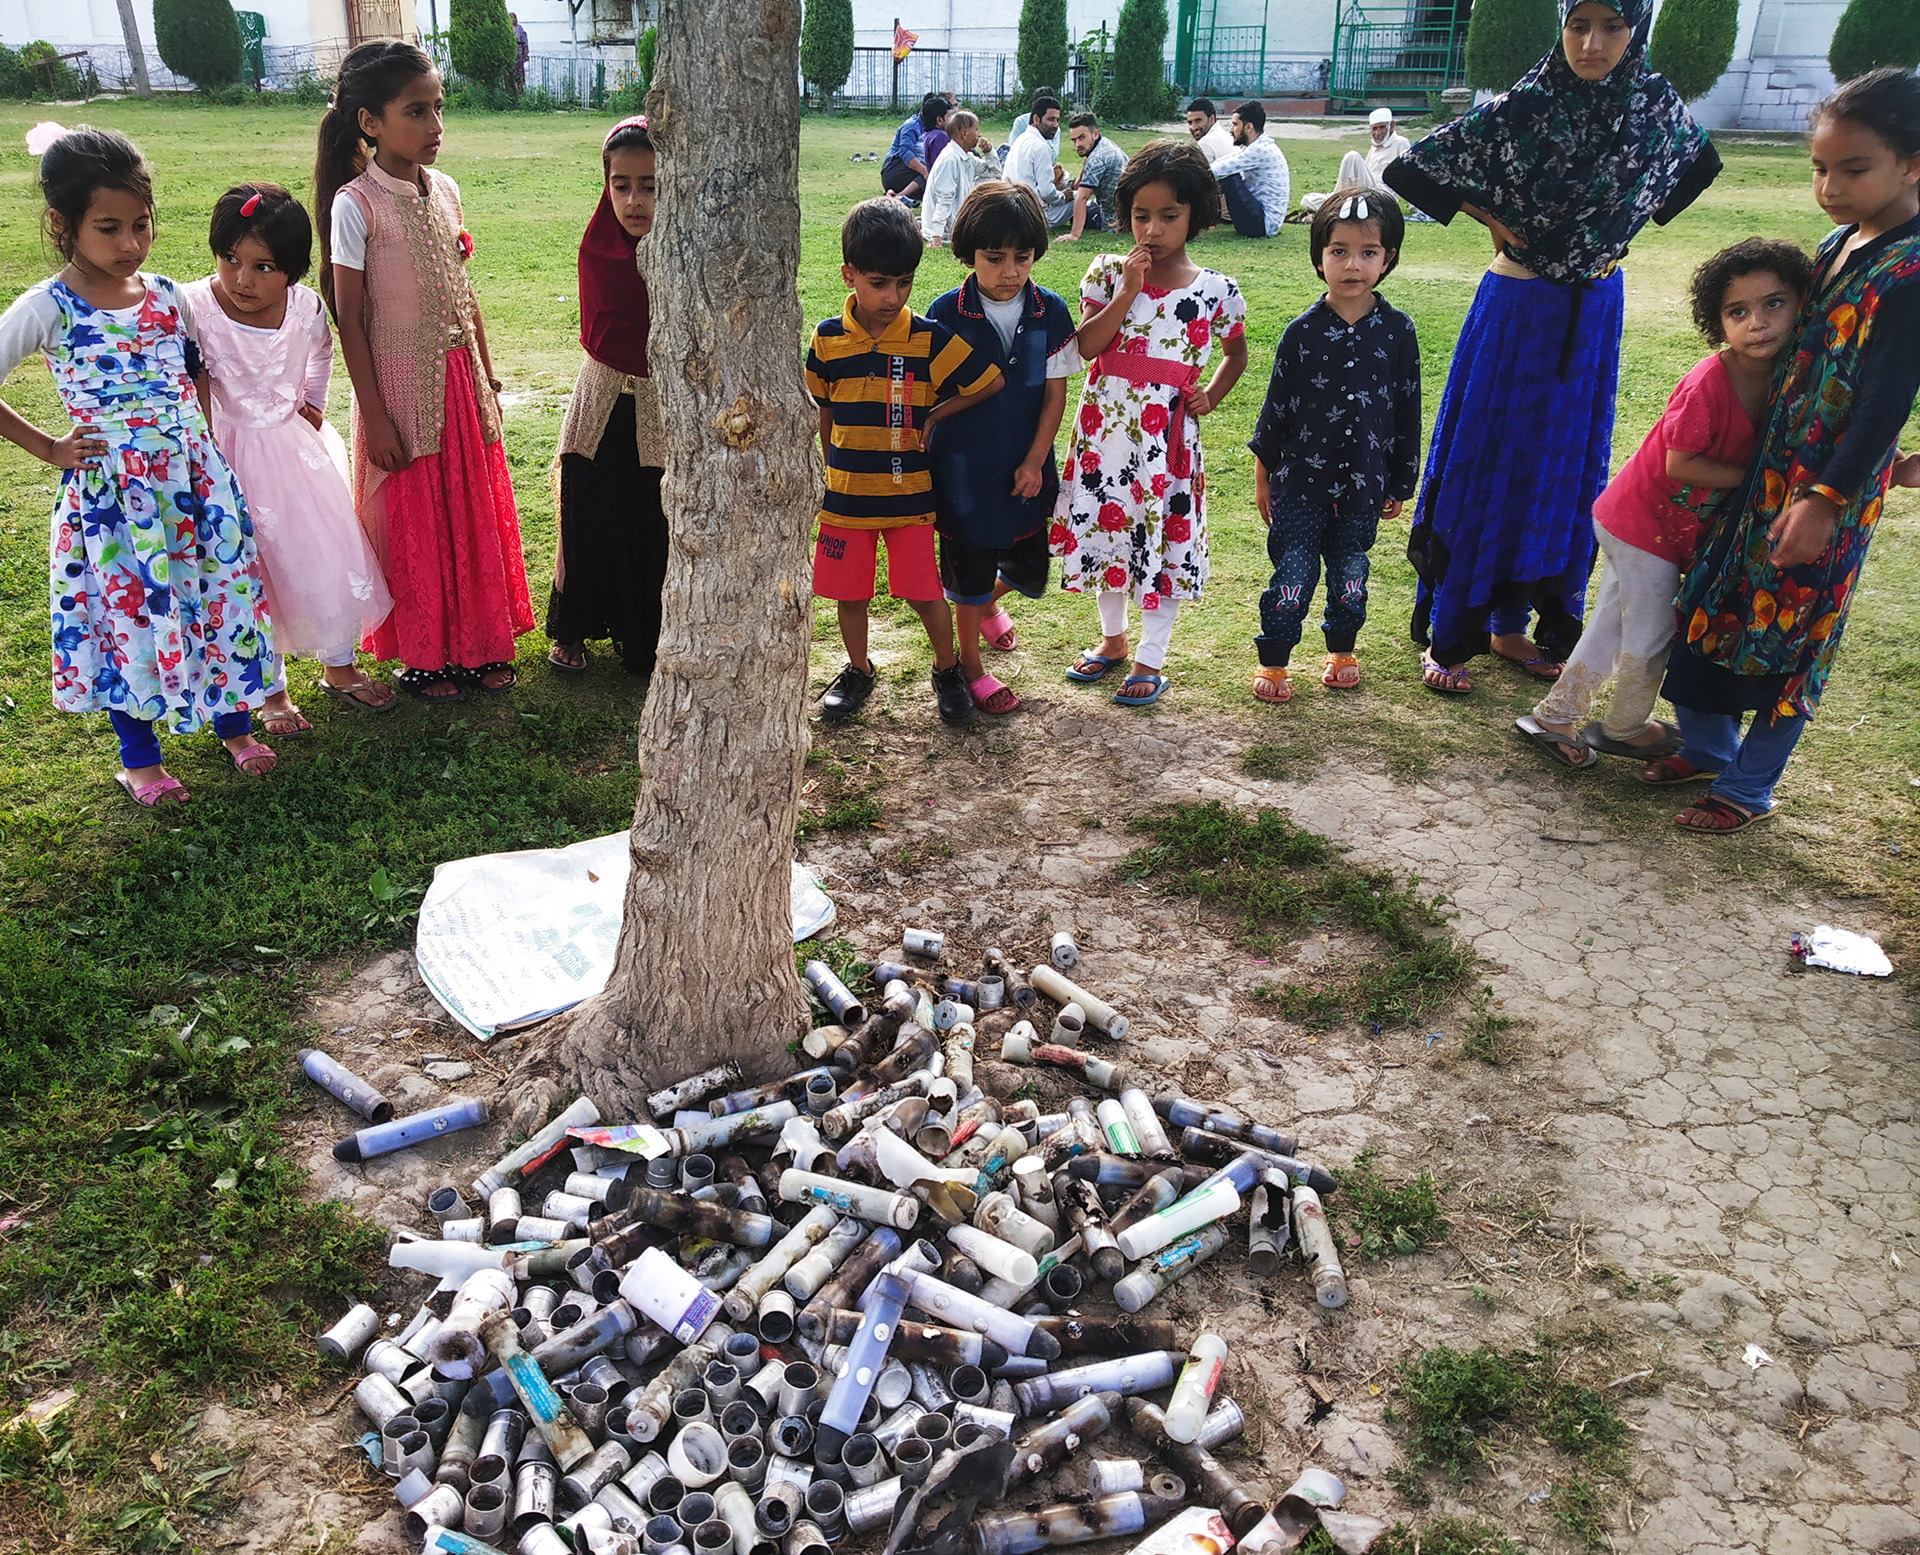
(1450, 1402)
(129, 1161)
(1388, 1217)
(1275, 876)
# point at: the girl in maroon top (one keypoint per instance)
(1648, 520)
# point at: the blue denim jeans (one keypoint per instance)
(140, 746)
(1248, 215)
(1749, 768)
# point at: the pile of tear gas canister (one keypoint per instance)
(867, 1301)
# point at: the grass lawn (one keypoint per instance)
(153, 1241)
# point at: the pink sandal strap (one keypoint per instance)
(998, 629)
(986, 689)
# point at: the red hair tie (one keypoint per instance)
(252, 204)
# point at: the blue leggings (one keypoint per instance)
(140, 746)
(1303, 534)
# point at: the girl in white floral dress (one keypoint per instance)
(1132, 517)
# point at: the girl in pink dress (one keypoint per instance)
(268, 357)
(429, 472)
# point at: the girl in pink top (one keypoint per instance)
(269, 358)
(429, 472)
(1648, 519)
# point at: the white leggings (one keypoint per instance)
(1156, 626)
(1626, 636)
(333, 659)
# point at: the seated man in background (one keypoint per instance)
(904, 173)
(1253, 176)
(1208, 133)
(1358, 172)
(1101, 164)
(1030, 162)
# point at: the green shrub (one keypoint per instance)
(826, 46)
(1873, 33)
(1693, 43)
(14, 80)
(1139, 89)
(647, 50)
(481, 43)
(45, 74)
(1507, 38)
(198, 39)
(1042, 55)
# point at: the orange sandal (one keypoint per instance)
(1272, 683)
(1342, 672)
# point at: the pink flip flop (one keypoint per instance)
(992, 696)
(998, 630)
(150, 796)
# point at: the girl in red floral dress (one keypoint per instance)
(1131, 519)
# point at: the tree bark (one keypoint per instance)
(704, 969)
(136, 51)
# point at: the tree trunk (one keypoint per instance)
(136, 51)
(704, 969)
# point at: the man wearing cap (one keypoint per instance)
(1358, 172)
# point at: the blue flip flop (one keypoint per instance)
(1106, 668)
(1158, 682)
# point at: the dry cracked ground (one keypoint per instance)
(1692, 1148)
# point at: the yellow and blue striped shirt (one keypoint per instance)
(879, 390)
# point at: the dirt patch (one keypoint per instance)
(1689, 1150)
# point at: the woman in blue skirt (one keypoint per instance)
(1563, 170)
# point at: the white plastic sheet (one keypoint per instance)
(507, 939)
(1841, 950)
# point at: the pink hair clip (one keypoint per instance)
(252, 204)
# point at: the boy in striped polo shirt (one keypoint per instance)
(883, 377)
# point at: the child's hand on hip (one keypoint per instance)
(1906, 470)
(76, 450)
(1026, 479)
(1391, 510)
(1198, 401)
(1803, 532)
(312, 415)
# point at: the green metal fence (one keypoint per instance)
(1394, 55)
(1229, 62)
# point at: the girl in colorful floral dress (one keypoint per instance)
(1131, 518)
(1764, 606)
(429, 471)
(157, 612)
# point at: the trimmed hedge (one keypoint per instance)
(481, 44)
(826, 46)
(1042, 56)
(1507, 38)
(1873, 33)
(1693, 43)
(1139, 89)
(198, 39)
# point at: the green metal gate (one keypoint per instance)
(1392, 54)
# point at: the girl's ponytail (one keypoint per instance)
(371, 76)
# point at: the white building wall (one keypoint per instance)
(1779, 70)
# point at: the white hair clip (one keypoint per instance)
(1354, 208)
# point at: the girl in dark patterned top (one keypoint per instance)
(1338, 440)
(1762, 610)
(1563, 169)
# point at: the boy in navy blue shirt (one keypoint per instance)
(994, 478)
(1337, 445)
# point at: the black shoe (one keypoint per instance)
(950, 692)
(847, 695)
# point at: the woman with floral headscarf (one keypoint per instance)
(1563, 170)
(612, 560)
